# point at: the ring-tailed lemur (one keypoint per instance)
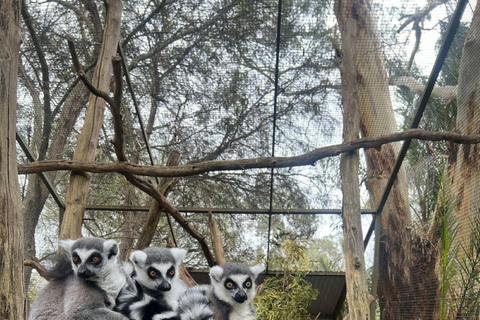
(155, 287)
(87, 286)
(229, 297)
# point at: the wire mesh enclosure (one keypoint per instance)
(218, 80)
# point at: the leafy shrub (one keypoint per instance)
(287, 296)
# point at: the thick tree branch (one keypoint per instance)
(42, 271)
(254, 163)
(444, 92)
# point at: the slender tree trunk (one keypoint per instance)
(76, 199)
(356, 274)
(11, 222)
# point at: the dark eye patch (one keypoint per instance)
(248, 283)
(75, 258)
(230, 284)
(95, 258)
(153, 273)
(171, 272)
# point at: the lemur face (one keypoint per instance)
(92, 258)
(157, 268)
(235, 282)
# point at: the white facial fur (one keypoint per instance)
(106, 274)
(142, 270)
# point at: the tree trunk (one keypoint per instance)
(356, 274)
(11, 222)
(464, 170)
(397, 285)
(37, 193)
(76, 199)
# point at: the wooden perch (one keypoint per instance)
(184, 274)
(35, 264)
(216, 239)
(124, 167)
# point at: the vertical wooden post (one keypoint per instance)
(76, 199)
(216, 240)
(11, 221)
(356, 275)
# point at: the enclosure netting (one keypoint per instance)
(203, 73)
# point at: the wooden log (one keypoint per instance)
(306, 159)
(216, 240)
(355, 275)
(76, 198)
(11, 220)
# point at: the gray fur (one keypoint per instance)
(90, 298)
(220, 302)
(153, 297)
(195, 304)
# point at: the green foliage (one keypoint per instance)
(448, 229)
(468, 297)
(287, 297)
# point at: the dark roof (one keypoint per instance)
(330, 285)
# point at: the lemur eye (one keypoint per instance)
(75, 259)
(152, 274)
(248, 284)
(172, 273)
(229, 285)
(95, 259)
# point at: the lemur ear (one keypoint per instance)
(178, 254)
(139, 258)
(111, 248)
(256, 270)
(67, 245)
(216, 273)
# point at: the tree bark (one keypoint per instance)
(86, 148)
(356, 274)
(397, 286)
(216, 240)
(37, 193)
(243, 164)
(11, 222)
(464, 170)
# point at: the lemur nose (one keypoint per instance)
(84, 272)
(241, 296)
(164, 286)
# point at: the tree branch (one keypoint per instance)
(254, 163)
(444, 92)
(145, 186)
(42, 271)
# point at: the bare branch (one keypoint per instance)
(42, 271)
(444, 92)
(420, 14)
(145, 186)
(83, 76)
(254, 163)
